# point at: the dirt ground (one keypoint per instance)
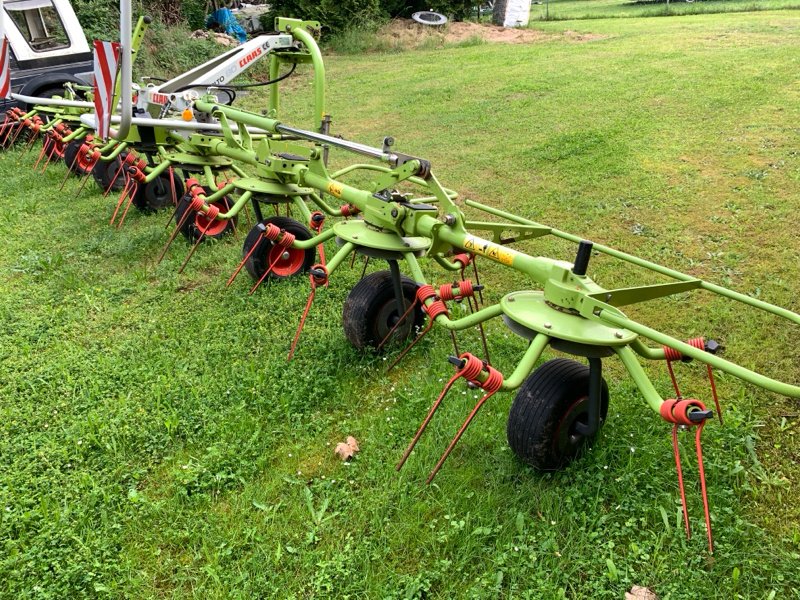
(406, 32)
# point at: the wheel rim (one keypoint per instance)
(159, 195)
(83, 162)
(58, 152)
(289, 260)
(566, 436)
(217, 227)
(387, 318)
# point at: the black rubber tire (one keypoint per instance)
(104, 170)
(191, 231)
(157, 194)
(70, 152)
(541, 421)
(300, 260)
(371, 310)
(48, 92)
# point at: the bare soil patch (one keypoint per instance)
(407, 33)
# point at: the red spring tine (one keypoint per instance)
(70, 170)
(316, 223)
(245, 259)
(228, 206)
(436, 308)
(484, 342)
(84, 179)
(408, 348)
(427, 419)
(491, 385)
(211, 215)
(26, 124)
(12, 126)
(189, 185)
(321, 252)
(17, 131)
(172, 186)
(306, 310)
(123, 194)
(703, 490)
(396, 325)
(174, 233)
(131, 195)
(28, 146)
(7, 127)
(42, 153)
(114, 179)
(172, 216)
(247, 215)
(50, 156)
(714, 394)
(458, 436)
(677, 454)
(315, 280)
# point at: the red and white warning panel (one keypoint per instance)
(106, 63)
(5, 70)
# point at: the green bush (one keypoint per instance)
(337, 16)
(99, 18)
(168, 51)
(334, 15)
(194, 13)
(454, 9)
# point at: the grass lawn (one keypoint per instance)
(603, 9)
(155, 443)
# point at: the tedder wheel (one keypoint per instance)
(157, 194)
(542, 424)
(50, 92)
(104, 171)
(292, 260)
(194, 225)
(76, 160)
(371, 311)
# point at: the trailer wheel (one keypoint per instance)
(157, 194)
(542, 421)
(292, 261)
(75, 160)
(371, 311)
(104, 171)
(194, 225)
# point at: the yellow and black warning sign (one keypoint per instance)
(335, 189)
(489, 249)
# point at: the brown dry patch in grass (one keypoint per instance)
(409, 34)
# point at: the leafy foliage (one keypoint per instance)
(338, 15)
(100, 17)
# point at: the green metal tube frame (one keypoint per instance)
(573, 292)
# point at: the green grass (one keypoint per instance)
(155, 443)
(603, 9)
